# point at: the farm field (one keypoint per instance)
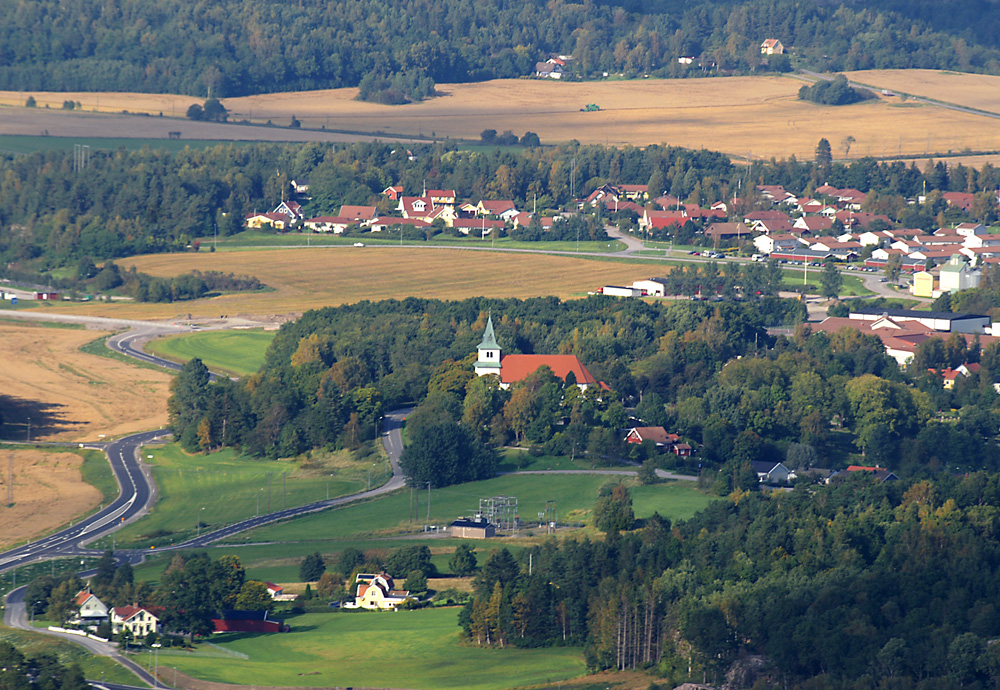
(69, 395)
(980, 91)
(575, 495)
(408, 649)
(239, 352)
(49, 491)
(737, 115)
(311, 278)
(12, 143)
(224, 487)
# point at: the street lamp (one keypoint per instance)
(199, 522)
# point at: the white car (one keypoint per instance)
(359, 244)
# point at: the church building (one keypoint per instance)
(514, 368)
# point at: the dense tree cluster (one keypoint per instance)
(37, 672)
(897, 580)
(395, 51)
(328, 376)
(835, 91)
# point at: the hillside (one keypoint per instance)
(395, 50)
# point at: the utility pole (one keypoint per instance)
(283, 476)
(411, 505)
(428, 503)
(269, 492)
(10, 479)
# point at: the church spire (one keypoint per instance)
(489, 339)
(488, 361)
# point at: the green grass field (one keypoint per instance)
(387, 516)
(224, 487)
(96, 471)
(251, 239)
(406, 649)
(94, 667)
(236, 352)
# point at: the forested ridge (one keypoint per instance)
(239, 47)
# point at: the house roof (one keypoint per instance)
(478, 521)
(358, 212)
(82, 597)
(515, 368)
(657, 434)
(497, 206)
(127, 612)
(727, 230)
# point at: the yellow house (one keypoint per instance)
(923, 284)
(376, 592)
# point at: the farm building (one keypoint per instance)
(656, 287)
(620, 291)
(473, 528)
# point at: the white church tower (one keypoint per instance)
(489, 352)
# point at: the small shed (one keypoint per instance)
(246, 621)
(473, 528)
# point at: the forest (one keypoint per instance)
(397, 51)
(148, 201)
(855, 585)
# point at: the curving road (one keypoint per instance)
(136, 496)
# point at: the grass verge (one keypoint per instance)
(100, 349)
(224, 487)
(235, 352)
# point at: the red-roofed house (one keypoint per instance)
(514, 368)
(771, 46)
(89, 609)
(441, 196)
(136, 619)
(377, 592)
(658, 435)
(504, 208)
(394, 192)
(358, 213)
(257, 220)
(962, 200)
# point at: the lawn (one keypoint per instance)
(406, 649)
(238, 352)
(94, 667)
(224, 487)
(574, 497)
(250, 239)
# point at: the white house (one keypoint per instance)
(90, 610)
(135, 619)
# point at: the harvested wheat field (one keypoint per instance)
(311, 278)
(980, 91)
(69, 395)
(48, 493)
(737, 115)
(761, 116)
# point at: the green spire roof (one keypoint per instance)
(489, 339)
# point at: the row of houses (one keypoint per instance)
(776, 473)
(902, 331)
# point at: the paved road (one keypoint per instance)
(662, 474)
(136, 497)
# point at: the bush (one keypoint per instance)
(834, 92)
(30, 103)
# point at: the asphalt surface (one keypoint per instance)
(136, 497)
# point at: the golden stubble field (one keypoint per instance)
(48, 492)
(310, 278)
(980, 91)
(69, 395)
(737, 115)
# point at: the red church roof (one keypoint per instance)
(515, 368)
